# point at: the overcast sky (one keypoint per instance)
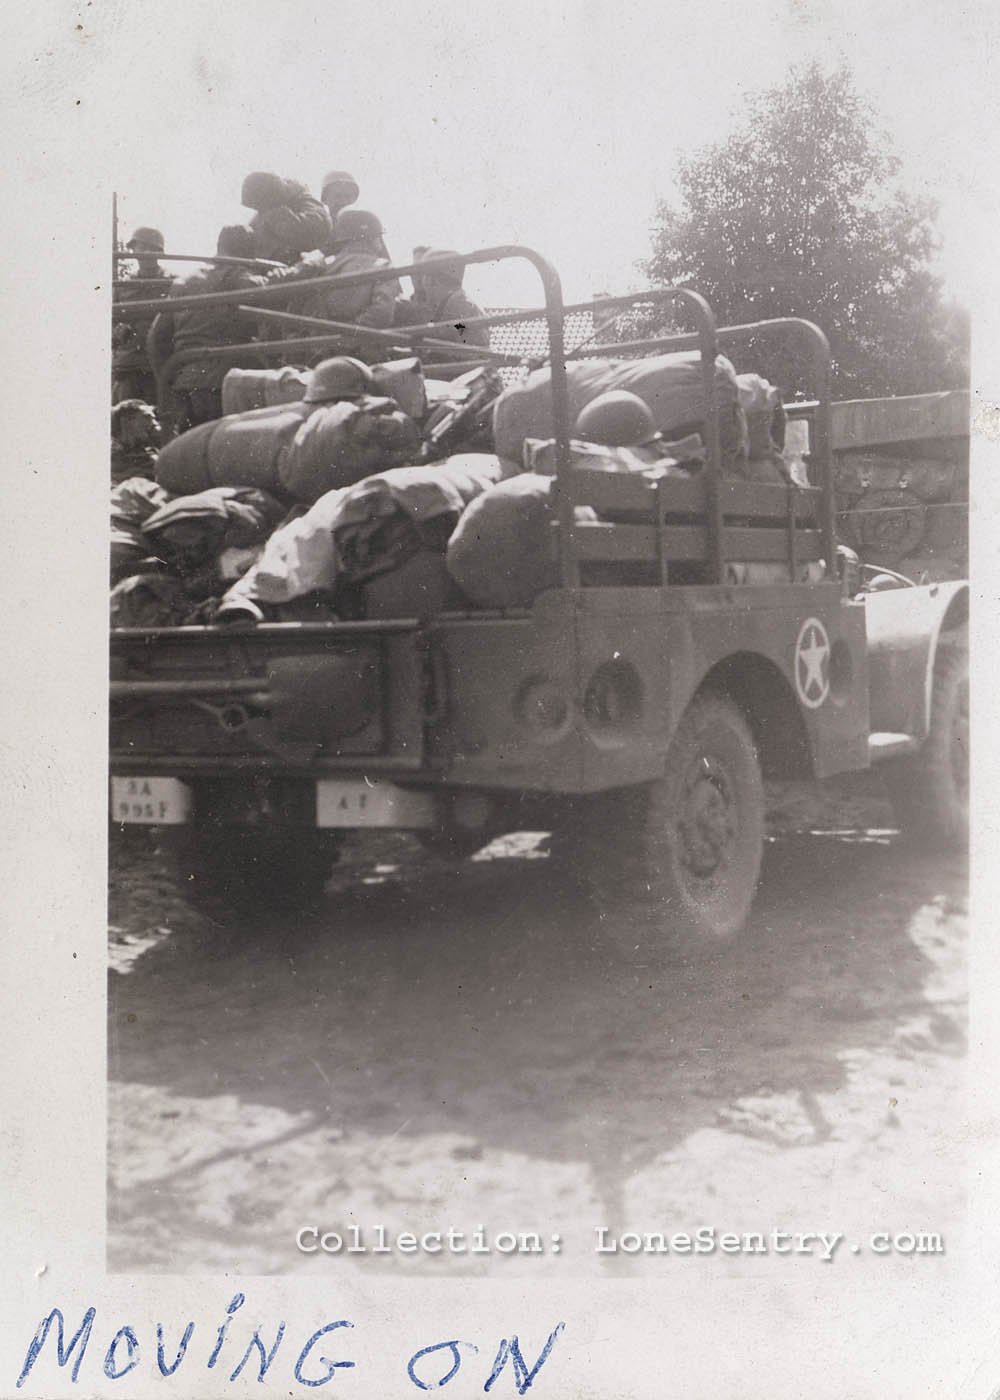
(556, 125)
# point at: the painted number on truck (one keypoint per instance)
(812, 663)
(150, 801)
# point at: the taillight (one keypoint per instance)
(613, 698)
(543, 707)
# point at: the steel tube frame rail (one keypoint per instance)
(140, 282)
(265, 348)
(302, 285)
(391, 336)
(326, 332)
(223, 259)
(262, 349)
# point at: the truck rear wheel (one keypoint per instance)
(929, 790)
(243, 867)
(688, 847)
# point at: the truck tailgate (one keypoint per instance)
(288, 696)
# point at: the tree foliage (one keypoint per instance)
(799, 213)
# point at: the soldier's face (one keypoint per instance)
(146, 257)
(337, 197)
(436, 289)
(140, 428)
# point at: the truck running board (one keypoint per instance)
(886, 745)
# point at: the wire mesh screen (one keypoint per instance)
(530, 339)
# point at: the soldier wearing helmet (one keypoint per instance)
(131, 374)
(287, 220)
(338, 190)
(148, 246)
(439, 296)
(197, 385)
(358, 226)
(358, 247)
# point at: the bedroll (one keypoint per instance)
(299, 449)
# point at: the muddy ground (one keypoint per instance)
(445, 1045)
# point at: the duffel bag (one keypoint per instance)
(342, 442)
(246, 389)
(500, 553)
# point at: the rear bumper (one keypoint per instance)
(346, 803)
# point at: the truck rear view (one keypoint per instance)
(666, 623)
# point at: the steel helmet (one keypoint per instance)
(147, 238)
(352, 225)
(340, 177)
(235, 241)
(339, 378)
(616, 419)
(446, 262)
(262, 189)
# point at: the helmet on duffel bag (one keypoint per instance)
(339, 378)
(616, 419)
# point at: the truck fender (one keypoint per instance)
(904, 628)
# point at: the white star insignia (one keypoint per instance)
(812, 657)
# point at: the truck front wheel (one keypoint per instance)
(929, 789)
(688, 846)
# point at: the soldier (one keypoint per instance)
(358, 245)
(131, 374)
(148, 246)
(288, 221)
(339, 189)
(440, 295)
(197, 385)
(135, 438)
(412, 311)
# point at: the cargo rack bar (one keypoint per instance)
(222, 259)
(385, 337)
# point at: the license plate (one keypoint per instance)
(355, 802)
(150, 801)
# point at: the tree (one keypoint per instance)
(799, 213)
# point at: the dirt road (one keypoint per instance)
(465, 1046)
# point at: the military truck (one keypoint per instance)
(901, 479)
(633, 709)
